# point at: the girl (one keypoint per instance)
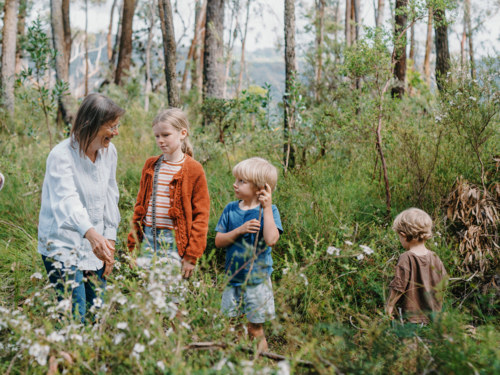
(173, 196)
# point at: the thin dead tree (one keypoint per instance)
(213, 55)
(467, 11)
(348, 7)
(86, 47)
(380, 13)
(169, 49)
(290, 67)
(400, 67)
(21, 32)
(428, 50)
(200, 55)
(412, 43)
(192, 49)
(125, 53)
(9, 53)
(114, 54)
(230, 44)
(320, 37)
(152, 21)
(442, 48)
(243, 43)
(110, 31)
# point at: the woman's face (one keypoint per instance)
(106, 133)
(168, 138)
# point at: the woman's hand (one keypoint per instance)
(102, 247)
(187, 269)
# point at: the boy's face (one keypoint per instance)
(404, 242)
(244, 189)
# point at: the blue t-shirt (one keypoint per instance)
(241, 251)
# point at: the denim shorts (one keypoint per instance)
(255, 301)
(166, 253)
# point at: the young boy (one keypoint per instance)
(249, 290)
(420, 275)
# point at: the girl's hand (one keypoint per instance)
(187, 269)
(265, 196)
(102, 247)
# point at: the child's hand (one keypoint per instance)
(251, 226)
(265, 196)
(187, 269)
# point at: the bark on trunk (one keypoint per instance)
(125, 53)
(86, 47)
(428, 50)
(192, 49)
(320, 36)
(169, 47)
(348, 7)
(400, 67)
(380, 13)
(62, 58)
(230, 45)
(442, 49)
(9, 53)
(67, 28)
(356, 17)
(290, 64)
(112, 63)
(243, 42)
(152, 21)
(21, 32)
(213, 65)
(110, 29)
(201, 59)
(471, 45)
(412, 43)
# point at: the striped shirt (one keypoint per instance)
(167, 172)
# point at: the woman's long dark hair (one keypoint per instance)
(95, 111)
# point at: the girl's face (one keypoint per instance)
(244, 189)
(168, 138)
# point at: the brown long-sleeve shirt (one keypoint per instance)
(421, 279)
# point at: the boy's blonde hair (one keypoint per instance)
(415, 224)
(258, 171)
(177, 118)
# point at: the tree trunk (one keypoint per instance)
(9, 53)
(356, 17)
(412, 43)
(428, 50)
(348, 7)
(290, 64)
(320, 36)
(201, 14)
(201, 58)
(213, 66)
(169, 48)
(230, 44)
(400, 67)
(86, 47)
(125, 53)
(243, 42)
(152, 22)
(21, 32)
(62, 58)
(67, 28)
(110, 29)
(380, 13)
(112, 63)
(442, 49)
(467, 12)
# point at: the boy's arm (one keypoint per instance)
(271, 232)
(223, 240)
(393, 298)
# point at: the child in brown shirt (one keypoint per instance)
(420, 275)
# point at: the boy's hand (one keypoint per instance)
(265, 196)
(251, 226)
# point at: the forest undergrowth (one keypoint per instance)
(330, 292)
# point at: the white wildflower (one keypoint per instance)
(152, 342)
(283, 368)
(36, 275)
(97, 302)
(438, 118)
(122, 300)
(56, 337)
(64, 305)
(360, 257)
(185, 325)
(285, 271)
(196, 284)
(57, 265)
(220, 364)
(160, 365)
(143, 262)
(305, 279)
(39, 331)
(138, 348)
(103, 368)
(366, 249)
(119, 277)
(348, 243)
(146, 333)
(118, 338)
(333, 249)
(40, 352)
(122, 325)
(472, 98)
(76, 337)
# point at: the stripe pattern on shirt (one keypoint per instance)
(167, 172)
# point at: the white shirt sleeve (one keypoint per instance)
(111, 212)
(66, 205)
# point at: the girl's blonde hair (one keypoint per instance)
(177, 118)
(258, 171)
(414, 223)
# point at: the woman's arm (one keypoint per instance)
(111, 212)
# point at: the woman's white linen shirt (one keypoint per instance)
(77, 195)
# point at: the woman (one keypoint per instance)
(79, 216)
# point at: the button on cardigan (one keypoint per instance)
(77, 195)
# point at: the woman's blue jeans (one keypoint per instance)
(84, 293)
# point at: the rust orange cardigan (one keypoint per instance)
(190, 207)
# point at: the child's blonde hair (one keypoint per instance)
(177, 118)
(258, 171)
(415, 224)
